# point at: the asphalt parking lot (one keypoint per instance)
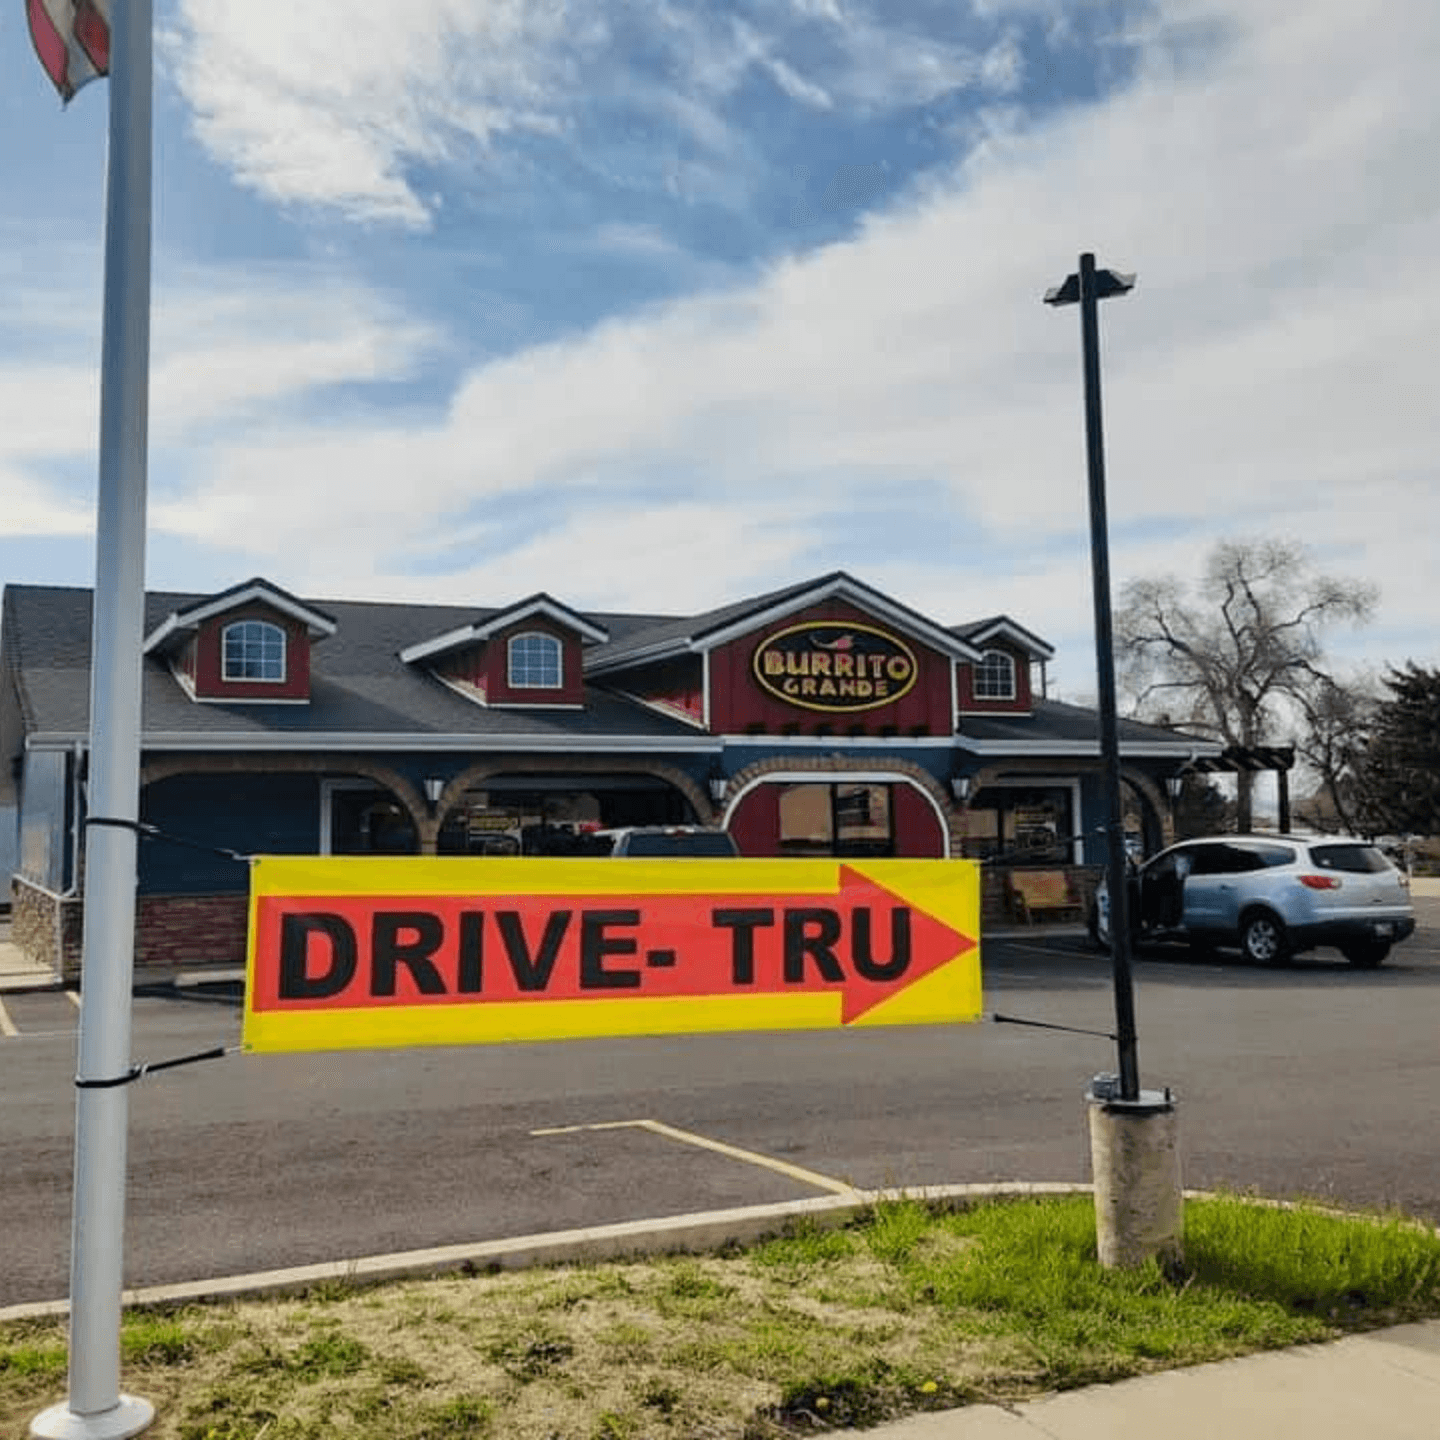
(1314, 1079)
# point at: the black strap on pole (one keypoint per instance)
(1048, 1025)
(139, 1072)
(147, 831)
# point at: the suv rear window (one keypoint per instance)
(1220, 859)
(698, 843)
(1353, 859)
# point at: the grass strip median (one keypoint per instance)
(908, 1307)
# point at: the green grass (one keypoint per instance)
(907, 1308)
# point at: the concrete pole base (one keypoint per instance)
(1135, 1155)
(121, 1421)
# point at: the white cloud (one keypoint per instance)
(227, 344)
(337, 103)
(328, 103)
(902, 404)
(28, 509)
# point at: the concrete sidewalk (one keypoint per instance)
(1380, 1386)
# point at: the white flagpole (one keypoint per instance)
(96, 1410)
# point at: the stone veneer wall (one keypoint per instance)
(46, 927)
(173, 932)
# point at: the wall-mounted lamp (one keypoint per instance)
(960, 787)
(718, 784)
(434, 789)
(1174, 784)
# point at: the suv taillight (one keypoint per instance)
(1320, 882)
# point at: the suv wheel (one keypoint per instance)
(1366, 954)
(1263, 939)
(1099, 936)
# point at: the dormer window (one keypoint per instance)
(535, 662)
(253, 650)
(995, 676)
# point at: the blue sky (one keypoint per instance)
(654, 304)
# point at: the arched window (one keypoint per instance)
(535, 662)
(995, 676)
(253, 650)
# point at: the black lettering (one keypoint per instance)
(296, 982)
(862, 952)
(387, 951)
(532, 973)
(812, 933)
(742, 943)
(472, 952)
(595, 945)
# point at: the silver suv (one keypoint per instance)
(652, 841)
(1272, 895)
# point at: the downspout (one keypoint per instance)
(72, 890)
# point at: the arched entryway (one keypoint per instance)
(867, 814)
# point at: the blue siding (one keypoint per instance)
(44, 819)
(254, 814)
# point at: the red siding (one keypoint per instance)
(965, 684)
(209, 669)
(485, 667)
(738, 704)
(918, 833)
(755, 825)
(674, 685)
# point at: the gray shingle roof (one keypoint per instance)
(1055, 723)
(662, 632)
(359, 685)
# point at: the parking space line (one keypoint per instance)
(7, 1025)
(703, 1142)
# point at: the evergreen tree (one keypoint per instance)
(1400, 772)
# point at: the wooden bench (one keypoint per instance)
(1040, 892)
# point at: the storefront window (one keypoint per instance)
(841, 820)
(370, 822)
(1021, 825)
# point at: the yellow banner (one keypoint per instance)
(356, 952)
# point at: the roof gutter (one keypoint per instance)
(270, 742)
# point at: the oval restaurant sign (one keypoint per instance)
(835, 665)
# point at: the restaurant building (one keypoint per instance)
(823, 719)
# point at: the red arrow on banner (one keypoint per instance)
(863, 943)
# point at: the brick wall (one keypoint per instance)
(173, 932)
(191, 932)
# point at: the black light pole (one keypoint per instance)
(1087, 288)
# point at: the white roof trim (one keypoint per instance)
(845, 588)
(670, 712)
(842, 742)
(1141, 749)
(181, 620)
(1006, 627)
(665, 650)
(469, 634)
(269, 742)
(450, 640)
(918, 628)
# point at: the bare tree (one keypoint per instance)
(1233, 660)
(1332, 744)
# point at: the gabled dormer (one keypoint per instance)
(831, 657)
(999, 682)
(528, 655)
(249, 643)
